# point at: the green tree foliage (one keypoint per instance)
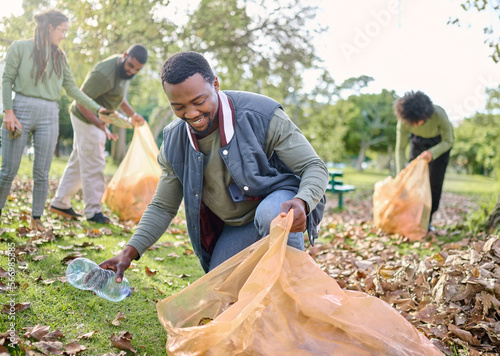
(477, 150)
(326, 127)
(355, 84)
(99, 29)
(477, 139)
(256, 45)
(477, 144)
(322, 117)
(491, 38)
(372, 124)
(19, 27)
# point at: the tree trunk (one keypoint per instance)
(57, 153)
(391, 164)
(361, 157)
(494, 219)
(159, 118)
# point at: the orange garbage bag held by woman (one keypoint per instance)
(402, 204)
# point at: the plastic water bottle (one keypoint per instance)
(85, 274)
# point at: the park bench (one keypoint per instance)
(336, 186)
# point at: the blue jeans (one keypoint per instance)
(236, 238)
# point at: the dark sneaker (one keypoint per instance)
(99, 218)
(67, 213)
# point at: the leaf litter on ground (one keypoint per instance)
(451, 294)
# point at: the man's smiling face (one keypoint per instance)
(196, 102)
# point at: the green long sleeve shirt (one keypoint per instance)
(284, 139)
(437, 124)
(104, 85)
(19, 77)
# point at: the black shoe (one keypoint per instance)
(99, 218)
(67, 213)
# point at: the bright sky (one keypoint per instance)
(411, 49)
(404, 45)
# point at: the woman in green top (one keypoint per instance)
(430, 134)
(35, 70)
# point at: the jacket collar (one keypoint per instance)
(226, 122)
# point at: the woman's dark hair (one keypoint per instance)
(413, 107)
(180, 66)
(43, 48)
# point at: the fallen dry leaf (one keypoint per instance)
(452, 296)
(158, 290)
(16, 308)
(3, 273)
(87, 335)
(50, 347)
(122, 353)
(74, 348)
(67, 259)
(150, 272)
(122, 341)
(53, 336)
(118, 317)
(39, 257)
(37, 332)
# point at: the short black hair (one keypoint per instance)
(180, 66)
(413, 107)
(138, 52)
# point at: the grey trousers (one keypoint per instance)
(40, 118)
(85, 169)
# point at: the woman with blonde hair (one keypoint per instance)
(35, 70)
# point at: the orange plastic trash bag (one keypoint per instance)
(403, 204)
(272, 299)
(132, 187)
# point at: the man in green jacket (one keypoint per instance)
(107, 83)
(430, 134)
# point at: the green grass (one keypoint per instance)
(75, 312)
(453, 183)
(57, 167)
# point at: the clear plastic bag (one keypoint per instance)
(403, 204)
(132, 187)
(272, 299)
